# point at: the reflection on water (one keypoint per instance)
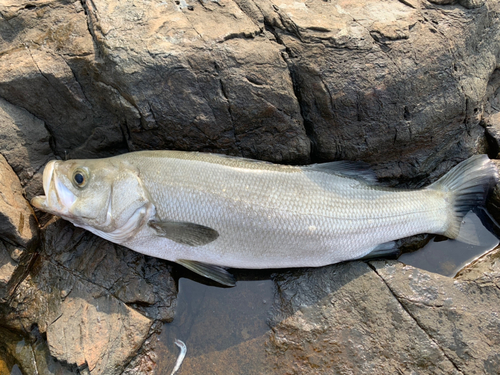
(239, 314)
(447, 257)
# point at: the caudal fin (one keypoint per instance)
(468, 184)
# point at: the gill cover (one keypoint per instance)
(127, 208)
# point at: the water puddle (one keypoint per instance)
(223, 328)
(447, 257)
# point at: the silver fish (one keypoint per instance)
(209, 212)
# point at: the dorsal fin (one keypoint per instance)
(357, 170)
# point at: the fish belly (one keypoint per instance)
(275, 219)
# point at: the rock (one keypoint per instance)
(18, 231)
(493, 202)
(95, 301)
(344, 318)
(24, 142)
(385, 317)
(144, 283)
(348, 116)
(31, 355)
(393, 84)
(86, 327)
(459, 315)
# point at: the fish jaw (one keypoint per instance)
(58, 199)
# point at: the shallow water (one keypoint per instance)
(447, 257)
(226, 330)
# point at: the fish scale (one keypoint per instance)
(260, 211)
(205, 211)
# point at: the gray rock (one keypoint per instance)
(459, 315)
(385, 317)
(24, 142)
(259, 79)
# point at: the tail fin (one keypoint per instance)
(468, 184)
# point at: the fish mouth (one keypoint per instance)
(58, 198)
(40, 201)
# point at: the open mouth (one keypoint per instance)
(58, 198)
(47, 175)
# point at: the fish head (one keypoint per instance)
(103, 195)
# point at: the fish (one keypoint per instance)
(211, 212)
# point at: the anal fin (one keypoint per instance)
(216, 273)
(384, 249)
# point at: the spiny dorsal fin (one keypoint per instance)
(185, 233)
(216, 273)
(357, 170)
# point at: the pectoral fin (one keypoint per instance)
(210, 271)
(185, 233)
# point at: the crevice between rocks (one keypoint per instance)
(230, 112)
(90, 24)
(413, 317)
(308, 125)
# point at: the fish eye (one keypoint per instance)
(80, 178)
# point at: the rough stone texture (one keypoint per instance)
(24, 142)
(91, 299)
(349, 319)
(398, 83)
(32, 356)
(18, 230)
(344, 319)
(461, 316)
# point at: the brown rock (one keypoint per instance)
(344, 319)
(30, 355)
(17, 222)
(100, 333)
(86, 327)
(18, 231)
(386, 317)
(95, 301)
(461, 316)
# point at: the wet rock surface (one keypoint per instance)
(411, 86)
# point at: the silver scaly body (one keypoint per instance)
(205, 209)
(270, 216)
